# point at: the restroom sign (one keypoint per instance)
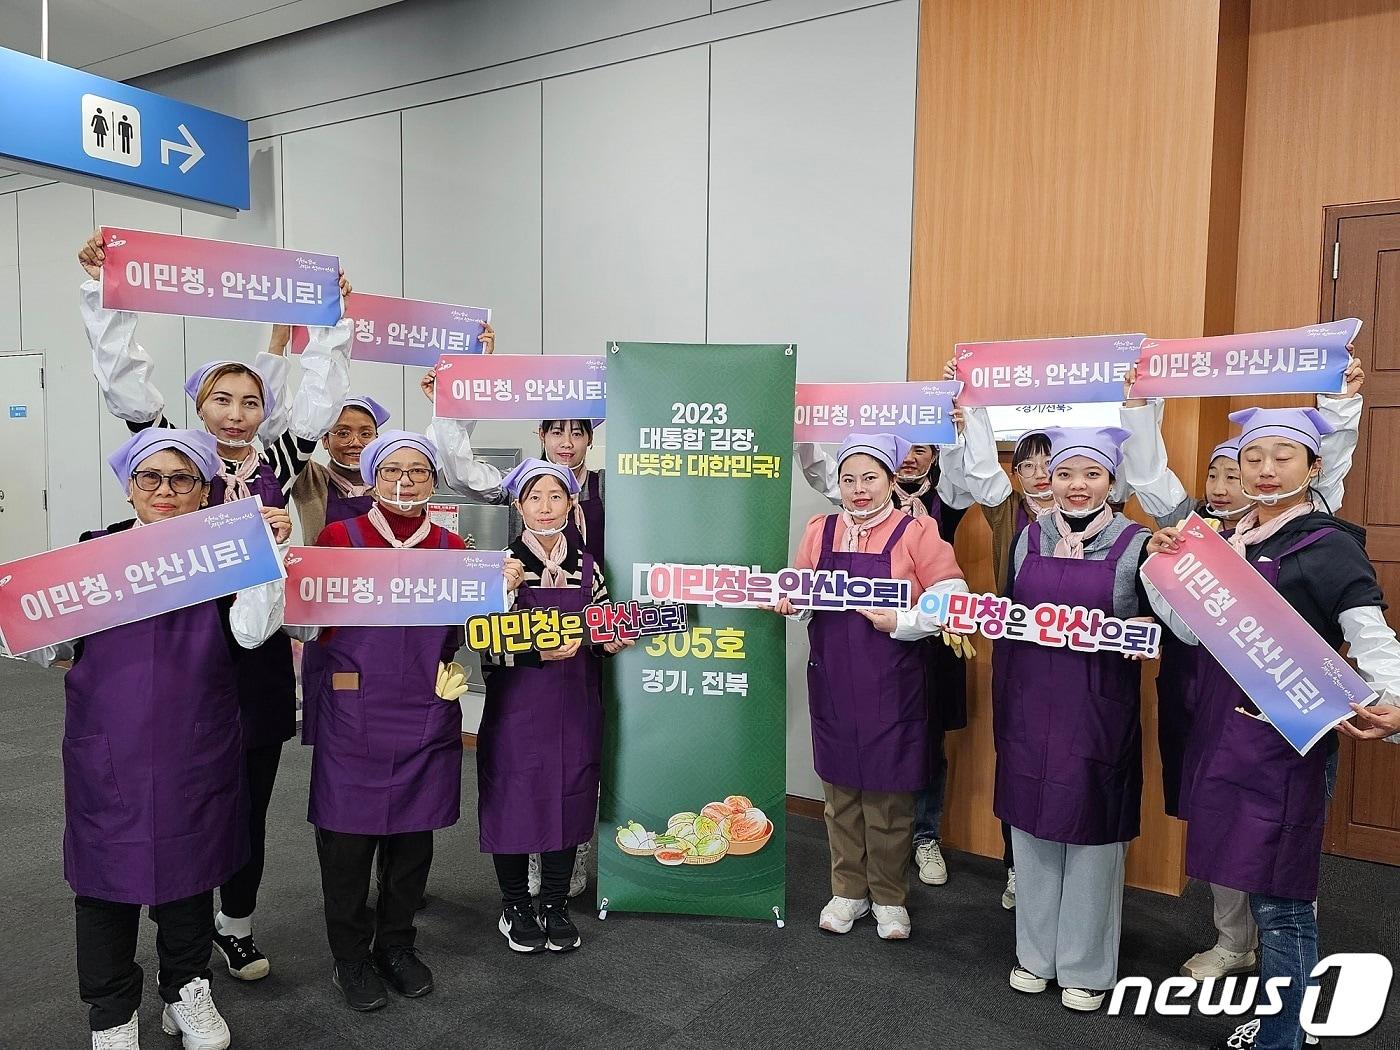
(76, 127)
(111, 131)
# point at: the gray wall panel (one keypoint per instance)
(624, 203)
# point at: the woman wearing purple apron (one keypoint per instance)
(971, 471)
(1068, 740)
(872, 752)
(387, 767)
(153, 775)
(325, 494)
(919, 491)
(541, 737)
(1162, 495)
(237, 404)
(1254, 807)
(564, 442)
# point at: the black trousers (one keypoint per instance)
(353, 930)
(238, 898)
(1006, 841)
(556, 868)
(109, 979)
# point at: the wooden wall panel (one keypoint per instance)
(1322, 128)
(1064, 174)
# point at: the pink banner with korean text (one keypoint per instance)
(1298, 682)
(740, 587)
(1078, 370)
(921, 413)
(545, 629)
(1309, 360)
(407, 331)
(521, 386)
(392, 587)
(1054, 626)
(135, 574)
(161, 273)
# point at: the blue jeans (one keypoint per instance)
(1287, 948)
(928, 809)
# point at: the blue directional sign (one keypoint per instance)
(77, 127)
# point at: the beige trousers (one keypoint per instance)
(871, 834)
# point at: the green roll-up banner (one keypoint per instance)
(699, 450)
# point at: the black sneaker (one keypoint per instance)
(363, 988)
(242, 956)
(559, 929)
(521, 928)
(1242, 1038)
(404, 971)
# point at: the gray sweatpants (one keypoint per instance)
(1069, 910)
(1233, 921)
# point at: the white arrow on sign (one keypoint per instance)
(191, 149)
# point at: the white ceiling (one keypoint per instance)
(123, 39)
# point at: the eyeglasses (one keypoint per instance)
(181, 484)
(1030, 469)
(417, 475)
(345, 434)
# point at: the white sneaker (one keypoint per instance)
(1218, 962)
(1008, 895)
(892, 922)
(532, 875)
(122, 1037)
(196, 1018)
(1081, 999)
(578, 881)
(841, 913)
(933, 869)
(1025, 981)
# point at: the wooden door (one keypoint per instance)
(1361, 278)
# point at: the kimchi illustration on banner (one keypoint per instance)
(732, 828)
(1298, 682)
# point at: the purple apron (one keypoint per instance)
(153, 783)
(338, 508)
(868, 694)
(1066, 724)
(267, 683)
(590, 502)
(342, 508)
(1254, 808)
(1176, 698)
(541, 742)
(388, 756)
(947, 670)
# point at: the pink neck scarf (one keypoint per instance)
(1249, 532)
(552, 575)
(344, 486)
(858, 528)
(1071, 544)
(236, 480)
(382, 526)
(909, 500)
